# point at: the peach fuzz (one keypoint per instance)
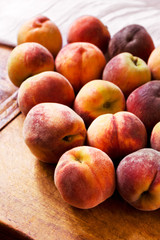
(144, 102)
(47, 86)
(89, 29)
(42, 30)
(138, 179)
(154, 63)
(50, 129)
(117, 134)
(28, 59)
(85, 177)
(133, 38)
(127, 71)
(80, 62)
(98, 97)
(155, 137)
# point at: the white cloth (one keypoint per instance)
(113, 13)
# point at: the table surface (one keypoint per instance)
(31, 207)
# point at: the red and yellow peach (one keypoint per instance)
(154, 63)
(42, 30)
(117, 134)
(85, 177)
(89, 29)
(50, 129)
(155, 137)
(80, 62)
(48, 86)
(28, 59)
(98, 97)
(138, 179)
(127, 71)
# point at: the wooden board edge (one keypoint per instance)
(9, 110)
(7, 232)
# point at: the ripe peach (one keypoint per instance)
(28, 59)
(89, 29)
(50, 129)
(85, 177)
(134, 39)
(117, 134)
(138, 179)
(48, 86)
(127, 71)
(80, 62)
(154, 63)
(155, 137)
(98, 97)
(144, 102)
(42, 30)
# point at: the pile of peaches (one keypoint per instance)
(92, 108)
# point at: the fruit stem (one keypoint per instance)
(135, 60)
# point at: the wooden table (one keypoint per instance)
(31, 207)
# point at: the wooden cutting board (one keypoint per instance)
(30, 205)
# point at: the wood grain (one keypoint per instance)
(31, 204)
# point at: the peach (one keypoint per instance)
(154, 63)
(42, 30)
(127, 71)
(80, 62)
(155, 137)
(28, 59)
(144, 102)
(134, 39)
(85, 177)
(89, 29)
(98, 97)
(138, 179)
(117, 134)
(50, 129)
(47, 86)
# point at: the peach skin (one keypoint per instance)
(127, 71)
(155, 137)
(28, 59)
(89, 29)
(144, 102)
(42, 30)
(48, 86)
(138, 179)
(85, 177)
(98, 97)
(50, 129)
(133, 39)
(117, 134)
(154, 63)
(80, 62)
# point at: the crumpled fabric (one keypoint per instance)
(115, 14)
